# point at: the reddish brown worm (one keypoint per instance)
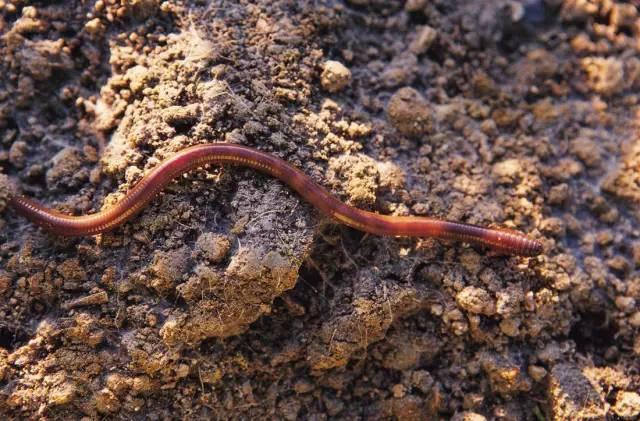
(501, 240)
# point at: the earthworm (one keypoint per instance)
(501, 240)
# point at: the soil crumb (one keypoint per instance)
(229, 297)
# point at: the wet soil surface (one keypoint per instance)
(229, 297)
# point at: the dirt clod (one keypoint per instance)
(335, 76)
(476, 300)
(410, 113)
(106, 402)
(213, 247)
(468, 416)
(7, 189)
(627, 405)
(425, 36)
(66, 170)
(572, 395)
(228, 296)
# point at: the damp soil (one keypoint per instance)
(229, 297)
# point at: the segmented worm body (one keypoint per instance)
(501, 240)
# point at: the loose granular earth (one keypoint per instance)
(229, 297)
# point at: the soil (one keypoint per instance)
(229, 297)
